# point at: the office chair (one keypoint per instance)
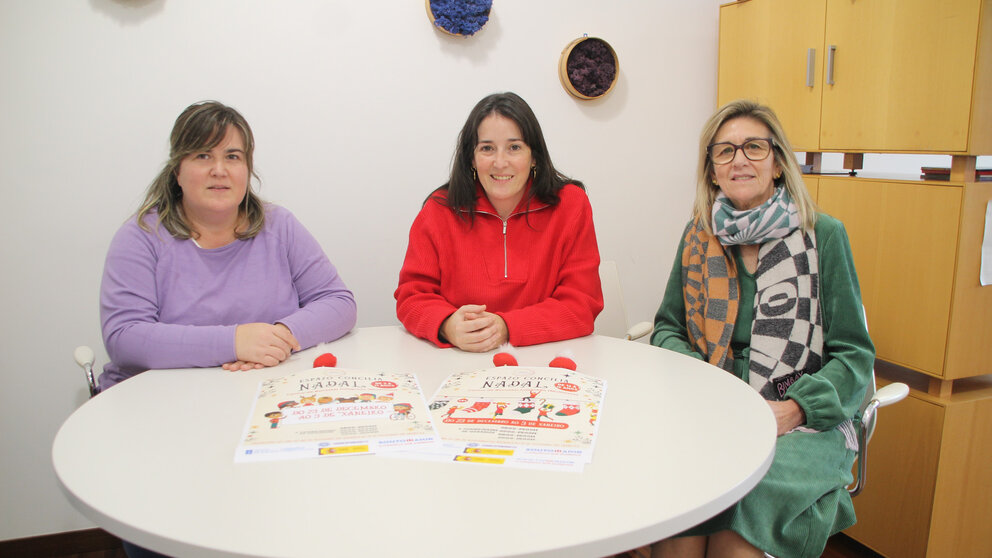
(84, 358)
(612, 321)
(892, 393)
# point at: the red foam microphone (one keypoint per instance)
(326, 360)
(562, 361)
(504, 359)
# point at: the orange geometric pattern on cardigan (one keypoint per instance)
(710, 293)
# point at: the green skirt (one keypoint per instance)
(800, 502)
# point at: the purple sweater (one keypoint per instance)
(166, 303)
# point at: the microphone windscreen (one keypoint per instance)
(504, 359)
(326, 360)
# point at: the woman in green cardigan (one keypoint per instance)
(764, 287)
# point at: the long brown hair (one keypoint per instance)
(200, 128)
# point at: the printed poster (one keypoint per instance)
(335, 411)
(518, 416)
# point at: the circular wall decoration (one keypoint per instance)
(588, 68)
(458, 17)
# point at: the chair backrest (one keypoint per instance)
(612, 321)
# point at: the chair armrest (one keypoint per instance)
(639, 330)
(85, 358)
(892, 393)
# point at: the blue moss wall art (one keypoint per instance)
(459, 17)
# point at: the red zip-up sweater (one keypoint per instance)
(538, 270)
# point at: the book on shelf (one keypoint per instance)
(944, 173)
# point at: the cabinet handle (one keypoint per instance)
(830, 64)
(810, 66)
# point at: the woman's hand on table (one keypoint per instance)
(258, 345)
(473, 329)
(788, 415)
(241, 366)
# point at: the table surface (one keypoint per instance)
(151, 460)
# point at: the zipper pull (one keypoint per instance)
(506, 263)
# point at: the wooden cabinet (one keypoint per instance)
(866, 75)
(917, 249)
(929, 491)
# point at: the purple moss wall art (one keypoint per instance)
(588, 68)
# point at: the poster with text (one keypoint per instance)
(519, 416)
(335, 411)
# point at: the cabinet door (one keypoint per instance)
(971, 310)
(903, 72)
(903, 236)
(962, 503)
(894, 509)
(763, 56)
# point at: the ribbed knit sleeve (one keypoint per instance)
(834, 394)
(577, 296)
(130, 301)
(420, 305)
(327, 308)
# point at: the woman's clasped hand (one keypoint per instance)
(259, 345)
(471, 328)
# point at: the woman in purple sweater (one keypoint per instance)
(207, 274)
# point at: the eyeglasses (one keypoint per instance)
(755, 149)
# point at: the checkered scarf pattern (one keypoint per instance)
(709, 290)
(776, 218)
(787, 334)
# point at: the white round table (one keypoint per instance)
(151, 460)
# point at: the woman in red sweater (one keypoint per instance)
(505, 251)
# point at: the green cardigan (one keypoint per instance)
(833, 394)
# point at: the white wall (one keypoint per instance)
(355, 108)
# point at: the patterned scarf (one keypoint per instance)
(787, 334)
(709, 290)
(776, 218)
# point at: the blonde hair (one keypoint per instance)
(200, 128)
(791, 178)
